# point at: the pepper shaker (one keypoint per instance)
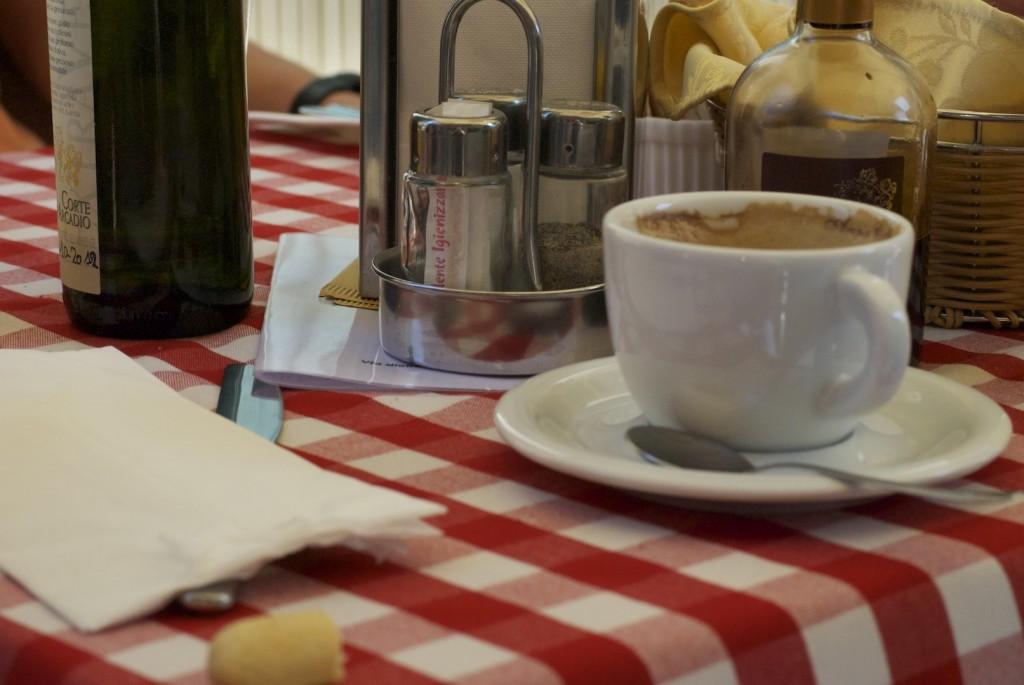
(456, 230)
(581, 177)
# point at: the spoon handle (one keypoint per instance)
(965, 495)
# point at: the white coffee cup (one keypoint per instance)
(763, 349)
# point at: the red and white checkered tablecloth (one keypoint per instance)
(539, 577)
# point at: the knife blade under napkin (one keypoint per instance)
(257, 406)
(250, 402)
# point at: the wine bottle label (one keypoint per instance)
(875, 180)
(74, 142)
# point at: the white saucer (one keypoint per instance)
(574, 420)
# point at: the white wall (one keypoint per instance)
(324, 34)
(320, 34)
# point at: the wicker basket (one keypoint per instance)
(976, 190)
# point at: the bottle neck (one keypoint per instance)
(825, 26)
(805, 30)
(836, 14)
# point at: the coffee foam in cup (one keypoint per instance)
(769, 226)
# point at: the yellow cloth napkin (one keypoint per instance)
(970, 54)
(699, 48)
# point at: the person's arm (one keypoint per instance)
(13, 136)
(275, 81)
(23, 38)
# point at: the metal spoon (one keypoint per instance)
(690, 451)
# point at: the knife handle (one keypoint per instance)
(212, 598)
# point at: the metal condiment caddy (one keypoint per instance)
(517, 329)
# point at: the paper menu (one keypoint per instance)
(310, 343)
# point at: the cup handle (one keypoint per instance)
(883, 314)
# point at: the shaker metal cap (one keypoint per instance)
(460, 139)
(513, 105)
(581, 135)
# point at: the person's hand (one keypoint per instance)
(274, 82)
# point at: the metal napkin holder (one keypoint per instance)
(391, 26)
(492, 333)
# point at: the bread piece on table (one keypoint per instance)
(302, 648)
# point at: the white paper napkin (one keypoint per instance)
(311, 343)
(116, 493)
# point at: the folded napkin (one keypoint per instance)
(116, 493)
(970, 54)
(699, 49)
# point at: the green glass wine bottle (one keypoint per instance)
(152, 163)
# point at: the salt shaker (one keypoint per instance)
(581, 177)
(457, 198)
(513, 105)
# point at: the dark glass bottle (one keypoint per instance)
(152, 158)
